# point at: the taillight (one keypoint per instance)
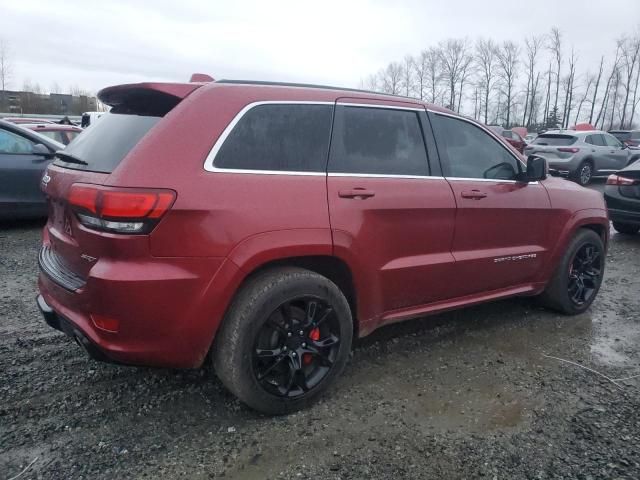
(622, 181)
(569, 149)
(119, 210)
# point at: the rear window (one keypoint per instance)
(555, 140)
(279, 137)
(103, 145)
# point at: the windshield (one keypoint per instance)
(555, 140)
(107, 142)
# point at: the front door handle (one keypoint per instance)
(474, 194)
(359, 193)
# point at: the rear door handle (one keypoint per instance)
(360, 193)
(474, 194)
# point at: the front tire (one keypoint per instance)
(285, 339)
(626, 228)
(577, 280)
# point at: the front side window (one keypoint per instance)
(612, 141)
(378, 141)
(279, 137)
(470, 152)
(12, 143)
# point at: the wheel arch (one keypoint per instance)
(591, 219)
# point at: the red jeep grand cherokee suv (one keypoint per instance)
(267, 224)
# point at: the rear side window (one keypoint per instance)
(103, 145)
(378, 141)
(12, 143)
(279, 137)
(595, 140)
(555, 140)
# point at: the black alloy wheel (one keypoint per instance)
(296, 347)
(585, 274)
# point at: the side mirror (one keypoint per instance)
(537, 168)
(40, 149)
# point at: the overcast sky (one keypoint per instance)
(93, 44)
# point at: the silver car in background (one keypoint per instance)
(582, 155)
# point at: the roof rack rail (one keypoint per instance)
(309, 85)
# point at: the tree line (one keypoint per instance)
(536, 83)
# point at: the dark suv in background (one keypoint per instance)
(630, 138)
(262, 226)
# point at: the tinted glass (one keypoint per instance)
(279, 137)
(12, 143)
(508, 134)
(555, 140)
(470, 152)
(56, 135)
(107, 142)
(597, 140)
(378, 141)
(635, 135)
(612, 141)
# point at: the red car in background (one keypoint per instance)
(23, 120)
(512, 137)
(60, 133)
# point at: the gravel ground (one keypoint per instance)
(466, 394)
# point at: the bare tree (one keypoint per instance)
(602, 113)
(636, 100)
(569, 89)
(533, 107)
(508, 72)
(583, 99)
(486, 59)
(595, 90)
(556, 49)
(392, 78)
(434, 74)
(630, 51)
(420, 66)
(532, 46)
(455, 59)
(5, 64)
(407, 75)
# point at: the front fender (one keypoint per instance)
(580, 219)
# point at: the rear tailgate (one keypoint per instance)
(70, 248)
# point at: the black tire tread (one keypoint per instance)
(555, 295)
(232, 365)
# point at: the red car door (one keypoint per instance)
(501, 228)
(392, 214)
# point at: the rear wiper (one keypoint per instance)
(65, 157)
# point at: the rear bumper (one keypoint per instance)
(624, 216)
(65, 326)
(168, 309)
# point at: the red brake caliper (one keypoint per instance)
(315, 336)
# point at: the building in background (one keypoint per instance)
(20, 103)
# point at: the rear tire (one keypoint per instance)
(286, 337)
(575, 283)
(584, 173)
(626, 228)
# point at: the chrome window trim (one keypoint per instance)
(494, 180)
(382, 175)
(209, 161)
(377, 105)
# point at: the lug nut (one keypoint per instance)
(301, 332)
(284, 348)
(294, 354)
(289, 334)
(304, 345)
